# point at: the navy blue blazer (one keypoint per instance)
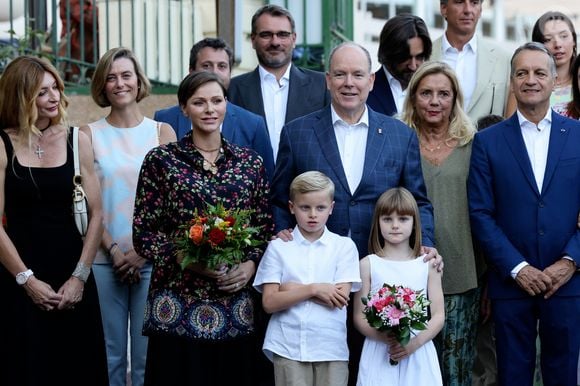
(240, 127)
(514, 222)
(381, 97)
(307, 92)
(391, 159)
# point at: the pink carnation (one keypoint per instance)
(394, 315)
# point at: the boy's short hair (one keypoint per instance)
(312, 181)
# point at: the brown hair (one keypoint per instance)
(99, 80)
(398, 200)
(538, 30)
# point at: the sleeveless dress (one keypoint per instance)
(119, 153)
(422, 367)
(60, 347)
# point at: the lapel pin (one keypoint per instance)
(380, 131)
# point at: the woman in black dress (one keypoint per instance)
(50, 328)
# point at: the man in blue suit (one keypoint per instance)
(404, 44)
(363, 152)
(524, 198)
(277, 90)
(240, 126)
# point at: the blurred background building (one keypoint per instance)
(161, 33)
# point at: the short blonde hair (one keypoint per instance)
(99, 80)
(460, 126)
(19, 87)
(312, 181)
(398, 200)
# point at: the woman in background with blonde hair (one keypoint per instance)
(120, 141)
(434, 108)
(50, 328)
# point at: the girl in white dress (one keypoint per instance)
(395, 246)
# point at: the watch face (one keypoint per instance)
(22, 277)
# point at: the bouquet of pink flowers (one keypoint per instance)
(216, 237)
(396, 310)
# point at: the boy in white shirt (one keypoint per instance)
(305, 284)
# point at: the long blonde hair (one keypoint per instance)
(460, 126)
(19, 87)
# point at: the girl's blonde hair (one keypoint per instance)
(398, 200)
(20, 85)
(460, 126)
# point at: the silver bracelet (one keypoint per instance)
(82, 272)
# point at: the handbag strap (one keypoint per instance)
(75, 140)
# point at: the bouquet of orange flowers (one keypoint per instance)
(216, 237)
(397, 310)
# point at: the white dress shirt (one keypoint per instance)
(275, 98)
(537, 141)
(397, 90)
(464, 63)
(352, 142)
(307, 331)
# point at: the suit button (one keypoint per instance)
(353, 203)
(541, 233)
(541, 204)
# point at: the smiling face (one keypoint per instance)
(434, 101)
(312, 210)
(349, 81)
(206, 108)
(559, 41)
(122, 83)
(273, 41)
(47, 100)
(462, 16)
(532, 81)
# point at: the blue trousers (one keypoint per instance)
(122, 310)
(517, 323)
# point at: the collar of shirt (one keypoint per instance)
(545, 123)
(362, 122)
(268, 78)
(470, 45)
(323, 239)
(396, 89)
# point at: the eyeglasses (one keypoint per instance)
(268, 35)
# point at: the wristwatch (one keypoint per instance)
(22, 277)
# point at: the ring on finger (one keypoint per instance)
(131, 271)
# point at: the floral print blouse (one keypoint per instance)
(172, 185)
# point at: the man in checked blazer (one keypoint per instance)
(363, 152)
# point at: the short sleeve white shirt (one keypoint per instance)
(307, 331)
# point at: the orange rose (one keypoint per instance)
(196, 234)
